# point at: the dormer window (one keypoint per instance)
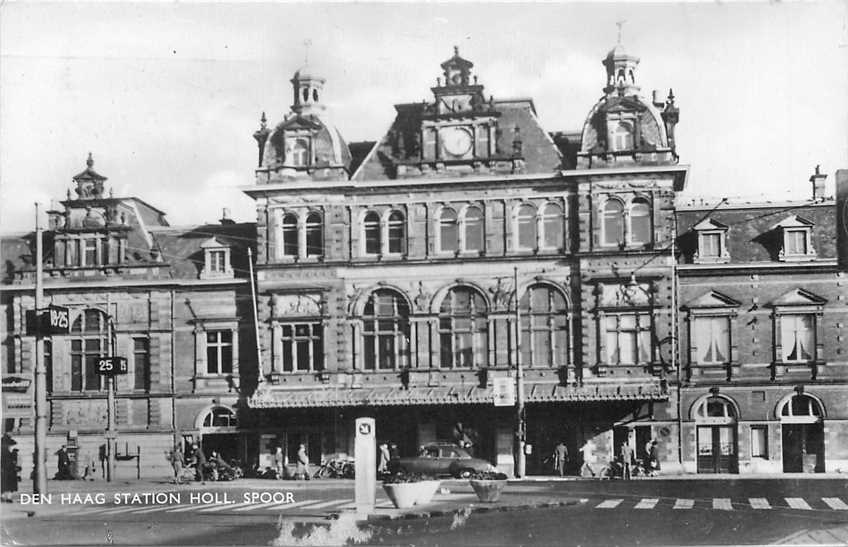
(712, 242)
(621, 137)
(796, 243)
(216, 260)
(297, 151)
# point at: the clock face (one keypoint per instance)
(456, 141)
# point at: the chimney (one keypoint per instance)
(225, 216)
(819, 188)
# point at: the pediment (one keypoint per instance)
(799, 297)
(709, 224)
(299, 122)
(794, 221)
(213, 243)
(713, 299)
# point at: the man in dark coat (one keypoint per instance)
(9, 464)
(64, 464)
(200, 464)
(560, 458)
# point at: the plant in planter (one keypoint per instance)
(408, 489)
(488, 485)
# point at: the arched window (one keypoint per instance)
(552, 226)
(802, 407)
(613, 224)
(299, 150)
(385, 329)
(640, 221)
(372, 233)
(290, 235)
(621, 136)
(220, 417)
(314, 235)
(463, 329)
(544, 327)
(88, 343)
(526, 227)
(715, 407)
(448, 230)
(397, 233)
(473, 229)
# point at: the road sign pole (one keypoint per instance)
(520, 418)
(40, 389)
(365, 458)
(110, 414)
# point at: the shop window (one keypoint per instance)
(88, 344)
(385, 331)
(472, 229)
(141, 364)
(628, 338)
(314, 235)
(372, 233)
(302, 345)
(640, 222)
(544, 327)
(711, 338)
(463, 329)
(290, 246)
(219, 352)
(613, 222)
(396, 233)
(526, 227)
(759, 441)
(552, 226)
(448, 230)
(798, 337)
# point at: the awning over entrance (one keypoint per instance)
(459, 395)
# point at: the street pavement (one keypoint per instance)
(731, 511)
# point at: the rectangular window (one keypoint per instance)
(711, 338)
(89, 252)
(759, 441)
(303, 348)
(797, 337)
(482, 141)
(628, 338)
(429, 143)
(84, 356)
(219, 352)
(795, 242)
(217, 261)
(141, 361)
(710, 245)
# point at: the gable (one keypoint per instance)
(799, 297)
(794, 221)
(713, 299)
(709, 224)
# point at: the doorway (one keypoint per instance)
(717, 449)
(802, 431)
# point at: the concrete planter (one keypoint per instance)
(407, 494)
(488, 491)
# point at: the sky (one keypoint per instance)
(167, 95)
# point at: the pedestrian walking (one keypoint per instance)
(626, 455)
(177, 463)
(64, 464)
(588, 451)
(9, 465)
(385, 456)
(560, 458)
(302, 462)
(654, 457)
(198, 459)
(279, 461)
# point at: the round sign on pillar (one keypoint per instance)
(365, 456)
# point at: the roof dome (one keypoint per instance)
(307, 72)
(617, 51)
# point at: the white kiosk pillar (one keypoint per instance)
(365, 454)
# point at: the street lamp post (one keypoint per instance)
(521, 422)
(111, 433)
(40, 388)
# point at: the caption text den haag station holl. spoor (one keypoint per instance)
(159, 498)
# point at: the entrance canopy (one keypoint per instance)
(459, 395)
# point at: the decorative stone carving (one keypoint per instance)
(422, 298)
(501, 294)
(296, 304)
(625, 294)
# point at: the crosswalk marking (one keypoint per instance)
(835, 503)
(609, 504)
(224, 506)
(647, 503)
(121, 509)
(257, 506)
(759, 503)
(723, 504)
(798, 503)
(149, 509)
(682, 503)
(182, 508)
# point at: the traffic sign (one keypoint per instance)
(111, 366)
(57, 320)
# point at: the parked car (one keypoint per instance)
(441, 459)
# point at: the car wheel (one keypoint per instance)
(465, 473)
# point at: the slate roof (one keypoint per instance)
(182, 246)
(751, 234)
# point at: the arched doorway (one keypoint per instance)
(218, 428)
(802, 428)
(715, 418)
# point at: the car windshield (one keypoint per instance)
(455, 452)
